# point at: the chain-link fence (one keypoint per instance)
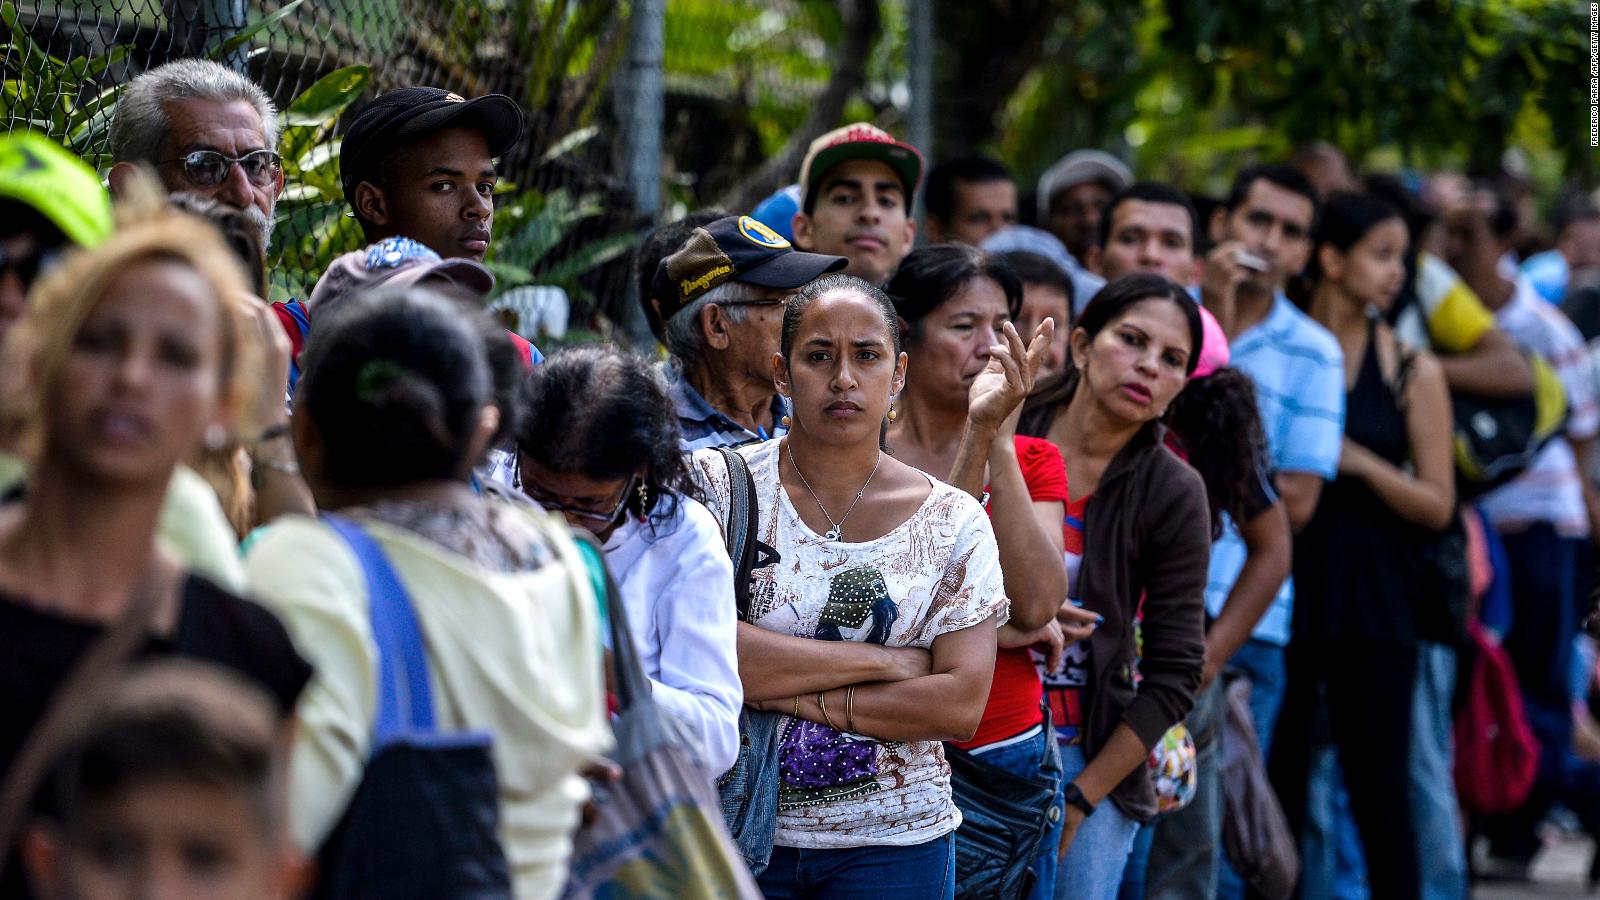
(558, 221)
(737, 79)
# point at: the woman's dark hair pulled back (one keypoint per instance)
(394, 381)
(796, 305)
(930, 276)
(1218, 424)
(1346, 218)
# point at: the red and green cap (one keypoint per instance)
(859, 141)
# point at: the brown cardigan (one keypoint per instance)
(1146, 533)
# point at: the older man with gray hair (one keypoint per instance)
(206, 130)
(721, 299)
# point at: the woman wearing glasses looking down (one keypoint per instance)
(599, 445)
(873, 634)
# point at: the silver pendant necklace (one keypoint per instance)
(838, 527)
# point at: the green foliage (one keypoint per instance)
(47, 94)
(1187, 89)
(764, 61)
(245, 35)
(533, 226)
(1442, 81)
(312, 228)
(1193, 89)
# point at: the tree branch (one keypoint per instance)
(860, 20)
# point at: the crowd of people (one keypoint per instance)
(999, 561)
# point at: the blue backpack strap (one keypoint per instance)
(405, 700)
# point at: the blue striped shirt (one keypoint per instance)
(1298, 371)
(704, 426)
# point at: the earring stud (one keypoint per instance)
(786, 421)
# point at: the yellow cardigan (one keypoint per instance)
(514, 653)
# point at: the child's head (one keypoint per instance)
(172, 787)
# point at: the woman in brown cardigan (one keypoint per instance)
(1137, 547)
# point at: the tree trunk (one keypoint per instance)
(984, 50)
(861, 20)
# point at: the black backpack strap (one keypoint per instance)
(741, 527)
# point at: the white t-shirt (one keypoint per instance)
(1551, 489)
(937, 572)
(677, 587)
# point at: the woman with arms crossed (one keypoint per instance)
(874, 631)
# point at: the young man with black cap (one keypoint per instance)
(856, 188)
(417, 166)
(418, 162)
(721, 296)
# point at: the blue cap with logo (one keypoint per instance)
(736, 248)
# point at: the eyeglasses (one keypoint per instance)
(552, 503)
(209, 168)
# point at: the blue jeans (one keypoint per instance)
(1332, 867)
(1092, 869)
(1333, 862)
(925, 871)
(1441, 852)
(1036, 757)
(1263, 663)
(1133, 877)
(1544, 619)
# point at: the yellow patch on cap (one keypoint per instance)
(757, 233)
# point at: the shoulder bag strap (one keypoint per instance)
(742, 526)
(72, 700)
(405, 699)
(628, 675)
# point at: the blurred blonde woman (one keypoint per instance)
(193, 525)
(255, 473)
(128, 360)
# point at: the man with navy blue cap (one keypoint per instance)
(418, 162)
(721, 296)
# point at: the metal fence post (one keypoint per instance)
(919, 62)
(642, 111)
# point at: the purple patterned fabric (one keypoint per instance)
(816, 756)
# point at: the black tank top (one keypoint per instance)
(1357, 562)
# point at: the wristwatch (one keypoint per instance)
(1075, 797)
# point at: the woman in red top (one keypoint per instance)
(956, 418)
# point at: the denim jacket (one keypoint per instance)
(750, 789)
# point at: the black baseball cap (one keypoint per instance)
(736, 248)
(399, 115)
